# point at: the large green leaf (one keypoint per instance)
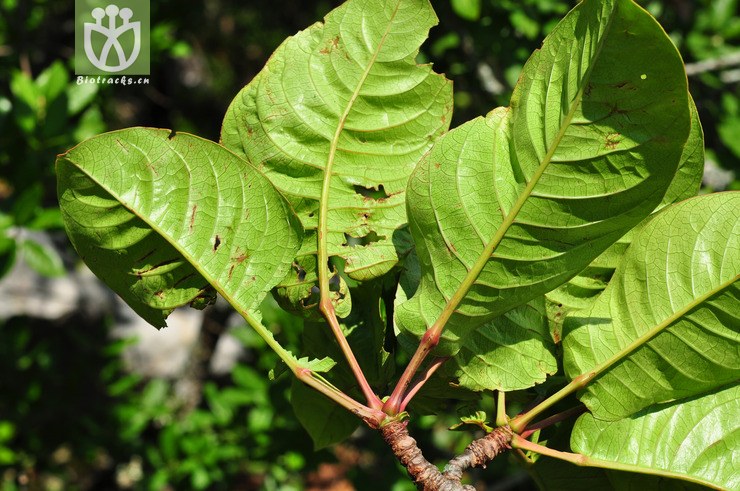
(159, 217)
(338, 118)
(507, 207)
(675, 303)
(582, 291)
(697, 440)
(553, 474)
(513, 351)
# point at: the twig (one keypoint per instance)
(426, 475)
(327, 309)
(480, 452)
(419, 383)
(718, 63)
(555, 418)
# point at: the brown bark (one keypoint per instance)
(426, 475)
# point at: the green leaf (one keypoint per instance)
(26, 100)
(506, 208)
(478, 419)
(467, 9)
(45, 219)
(337, 120)
(557, 475)
(325, 421)
(317, 365)
(696, 440)
(79, 96)
(553, 474)
(8, 252)
(582, 291)
(514, 351)
(160, 216)
(672, 308)
(27, 204)
(44, 260)
(52, 82)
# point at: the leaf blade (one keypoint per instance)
(675, 318)
(159, 243)
(573, 168)
(341, 112)
(582, 291)
(695, 440)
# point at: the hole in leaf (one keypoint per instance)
(172, 134)
(372, 237)
(300, 272)
(372, 193)
(312, 298)
(216, 243)
(334, 283)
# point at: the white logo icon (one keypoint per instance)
(112, 33)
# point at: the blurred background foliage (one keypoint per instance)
(71, 415)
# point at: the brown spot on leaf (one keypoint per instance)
(216, 243)
(153, 169)
(612, 140)
(625, 85)
(192, 217)
(241, 258)
(124, 149)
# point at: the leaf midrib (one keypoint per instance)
(322, 229)
(474, 272)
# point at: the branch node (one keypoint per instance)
(426, 475)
